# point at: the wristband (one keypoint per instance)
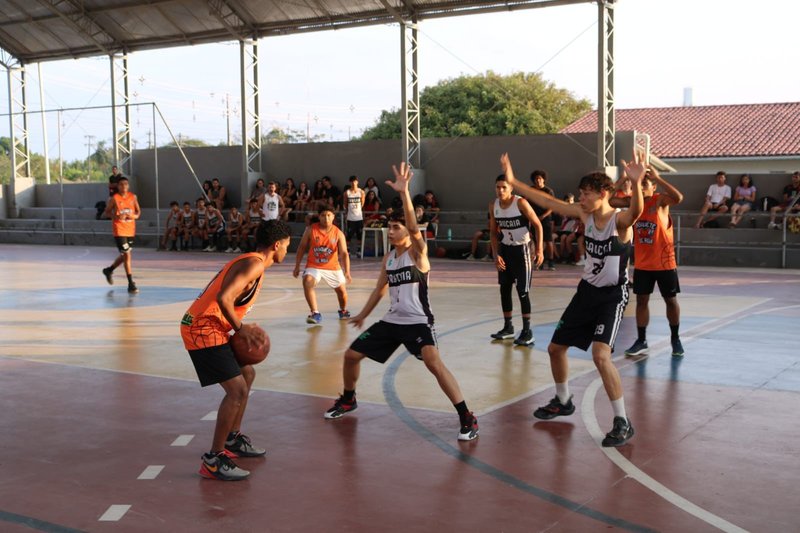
(235, 329)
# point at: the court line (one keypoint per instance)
(114, 513)
(182, 440)
(151, 472)
(35, 523)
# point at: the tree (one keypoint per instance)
(186, 142)
(487, 104)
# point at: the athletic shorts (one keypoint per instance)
(382, 338)
(215, 364)
(645, 280)
(593, 315)
(124, 244)
(547, 229)
(334, 278)
(518, 266)
(354, 228)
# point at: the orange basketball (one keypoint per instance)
(441, 252)
(246, 355)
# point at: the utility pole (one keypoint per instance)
(149, 142)
(89, 144)
(228, 115)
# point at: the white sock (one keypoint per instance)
(562, 391)
(619, 407)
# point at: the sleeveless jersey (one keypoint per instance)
(323, 248)
(353, 198)
(186, 218)
(214, 220)
(271, 207)
(512, 225)
(172, 219)
(653, 239)
(204, 325)
(201, 218)
(606, 256)
(235, 222)
(255, 216)
(126, 205)
(408, 291)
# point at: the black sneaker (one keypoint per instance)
(506, 333)
(525, 338)
(677, 348)
(241, 446)
(107, 273)
(621, 433)
(132, 288)
(555, 408)
(638, 348)
(341, 408)
(220, 466)
(469, 428)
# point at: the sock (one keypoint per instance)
(111, 268)
(619, 407)
(507, 322)
(349, 395)
(130, 279)
(562, 391)
(642, 332)
(463, 412)
(526, 322)
(673, 329)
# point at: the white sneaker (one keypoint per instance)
(581, 262)
(773, 225)
(237, 250)
(487, 258)
(228, 250)
(208, 249)
(471, 257)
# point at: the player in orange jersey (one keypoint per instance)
(205, 329)
(123, 210)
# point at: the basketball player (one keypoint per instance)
(655, 259)
(327, 257)
(234, 230)
(409, 320)
(123, 210)
(510, 234)
(216, 227)
(593, 316)
(252, 220)
(186, 228)
(171, 231)
(354, 200)
(273, 207)
(201, 222)
(205, 329)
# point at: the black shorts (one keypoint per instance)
(594, 314)
(124, 244)
(215, 364)
(382, 338)
(645, 280)
(547, 229)
(354, 228)
(519, 267)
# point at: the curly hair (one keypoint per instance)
(271, 231)
(597, 182)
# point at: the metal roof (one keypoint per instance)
(42, 30)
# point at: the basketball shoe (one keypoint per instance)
(506, 333)
(555, 408)
(341, 408)
(240, 445)
(469, 428)
(220, 466)
(314, 318)
(525, 338)
(107, 272)
(621, 433)
(638, 348)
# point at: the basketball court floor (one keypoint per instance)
(103, 421)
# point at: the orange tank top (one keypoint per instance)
(203, 325)
(126, 205)
(323, 248)
(653, 240)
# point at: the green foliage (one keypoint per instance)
(487, 104)
(186, 142)
(289, 136)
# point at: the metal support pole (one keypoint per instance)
(121, 118)
(60, 157)
(17, 111)
(605, 85)
(155, 171)
(251, 121)
(409, 81)
(44, 126)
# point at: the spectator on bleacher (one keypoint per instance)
(252, 220)
(395, 204)
(113, 180)
(216, 228)
(207, 191)
(332, 193)
(716, 200)
(790, 192)
(172, 223)
(538, 180)
(318, 196)
(186, 227)
(234, 230)
(218, 195)
(201, 222)
(372, 206)
(289, 193)
(565, 235)
(432, 207)
(744, 199)
(372, 185)
(258, 192)
(482, 235)
(354, 198)
(302, 203)
(273, 207)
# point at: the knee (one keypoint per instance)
(238, 392)
(556, 351)
(249, 373)
(352, 357)
(601, 355)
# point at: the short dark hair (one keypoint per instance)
(597, 182)
(501, 177)
(324, 208)
(536, 173)
(122, 178)
(722, 173)
(353, 178)
(326, 178)
(173, 202)
(187, 203)
(399, 216)
(271, 231)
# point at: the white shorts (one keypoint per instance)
(334, 278)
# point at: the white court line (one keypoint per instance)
(151, 472)
(182, 440)
(210, 416)
(114, 513)
(590, 419)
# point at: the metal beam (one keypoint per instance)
(409, 79)
(230, 17)
(81, 20)
(251, 121)
(18, 122)
(121, 112)
(606, 156)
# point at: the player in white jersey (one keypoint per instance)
(510, 217)
(354, 201)
(593, 316)
(272, 208)
(409, 320)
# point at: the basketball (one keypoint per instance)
(441, 252)
(245, 355)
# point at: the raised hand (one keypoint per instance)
(505, 164)
(402, 177)
(636, 169)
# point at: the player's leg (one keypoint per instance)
(522, 267)
(236, 441)
(643, 284)
(561, 404)
(309, 282)
(669, 286)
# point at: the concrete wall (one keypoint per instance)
(736, 166)
(82, 195)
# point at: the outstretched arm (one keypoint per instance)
(526, 209)
(535, 195)
(635, 171)
(374, 297)
(402, 177)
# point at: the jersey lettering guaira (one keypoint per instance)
(512, 225)
(408, 291)
(606, 256)
(653, 239)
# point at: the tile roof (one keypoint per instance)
(759, 130)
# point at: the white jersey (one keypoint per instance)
(353, 198)
(408, 291)
(511, 224)
(606, 256)
(201, 218)
(271, 207)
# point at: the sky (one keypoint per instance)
(335, 83)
